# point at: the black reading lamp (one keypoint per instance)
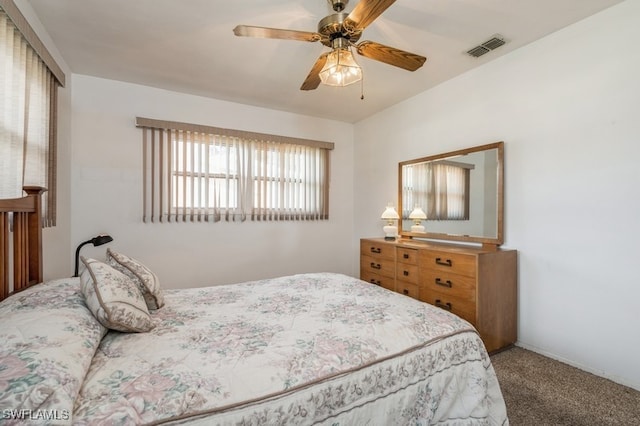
(96, 241)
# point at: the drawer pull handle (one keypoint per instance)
(375, 265)
(406, 255)
(405, 273)
(446, 283)
(405, 292)
(445, 306)
(376, 250)
(376, 282)
(446, 262)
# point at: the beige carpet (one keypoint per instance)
(541, 391)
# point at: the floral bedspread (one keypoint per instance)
(47, 340)
(305, 349)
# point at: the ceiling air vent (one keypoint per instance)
(486, 47)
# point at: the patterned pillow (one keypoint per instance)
(48, 338)
(114, 298)
(147, 281)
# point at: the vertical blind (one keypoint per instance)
(441, 189)
(202, 173)
(28, 99)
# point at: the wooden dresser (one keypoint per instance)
(476, 284)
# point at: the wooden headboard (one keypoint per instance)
(26, 239)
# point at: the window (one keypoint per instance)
(441, 188)
(202, 173)
(29, 78)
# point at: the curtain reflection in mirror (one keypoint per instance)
(441, 188)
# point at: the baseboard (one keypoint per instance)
(621, 380)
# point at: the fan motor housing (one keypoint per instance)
(332, 27)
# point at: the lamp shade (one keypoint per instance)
(341, 69)
(101, 239)
(390, 213)
(417, 214)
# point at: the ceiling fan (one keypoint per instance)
(340, 31)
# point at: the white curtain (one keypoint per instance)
(27, 119)
(198, 176)
(441, 190)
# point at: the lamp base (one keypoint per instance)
(417, 228)
(390, 232)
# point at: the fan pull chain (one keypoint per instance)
(362, 88)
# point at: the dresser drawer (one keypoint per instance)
(407, 273)
(377, 279)
(380, 266)
(458, 263)
(377, 250)
(460, 307)
(407, 255)
(459, 286)
(408, 289)
(477, 284)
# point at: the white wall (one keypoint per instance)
(568, 109)
(107, 191)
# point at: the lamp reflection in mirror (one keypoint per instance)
(96, 241)
(341, 68)
(390, 229)
(417, 215)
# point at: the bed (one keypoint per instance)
(113, 347)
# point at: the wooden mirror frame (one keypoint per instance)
(487, 242)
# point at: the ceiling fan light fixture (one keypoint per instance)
(341, 69)
(340, 31)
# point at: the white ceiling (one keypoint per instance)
(188, 45)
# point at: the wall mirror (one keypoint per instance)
(457, 196)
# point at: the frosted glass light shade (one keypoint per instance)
(390, 213)
(417, 214)
(341, 69)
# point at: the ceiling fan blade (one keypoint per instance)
(365, 12)
(390, 55)
(313, 79)
(264, 32)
